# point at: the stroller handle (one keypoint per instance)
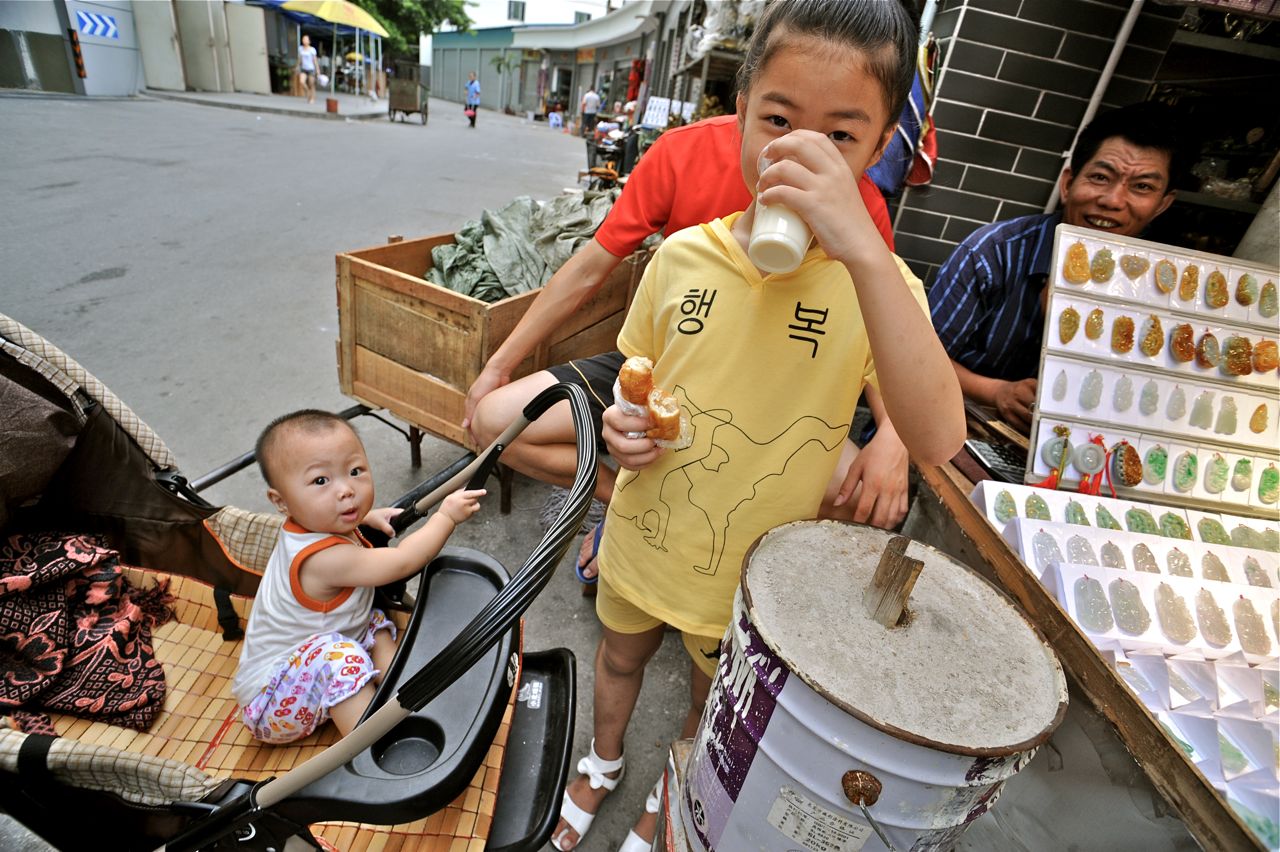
(466, 649)
(471, 476)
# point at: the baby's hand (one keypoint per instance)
(462, 504)
(619, 431)
(380, 519)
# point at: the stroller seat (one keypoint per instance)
(200, 725)
(435, 738)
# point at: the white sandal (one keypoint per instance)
(634, 842)
(595, 768)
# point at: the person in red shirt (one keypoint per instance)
(689, 176)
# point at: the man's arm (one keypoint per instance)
(572, 285)
(1013, 400)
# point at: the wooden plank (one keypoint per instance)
(404, 255)
(1213, 823)
(421, 336)
(601, 337)
(416, 397)
(346, 324)
(414, 348)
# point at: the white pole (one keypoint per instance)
(1122, 38)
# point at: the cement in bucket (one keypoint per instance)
(940, 711)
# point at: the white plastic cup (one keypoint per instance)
(779, 237)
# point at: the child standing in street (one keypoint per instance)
(767, 367)
(473, 98)
(316, 647)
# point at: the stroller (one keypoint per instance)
(451, 754)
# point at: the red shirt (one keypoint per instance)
(692, 175)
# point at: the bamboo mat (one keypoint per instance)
(200, 725)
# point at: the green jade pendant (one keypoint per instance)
(1174, 526)
(1140, 521)
(1242, 474)
(1155, 465)
(1212, 531)
(1269, 485)
(1076, 514)
(1037, 508)
(1184, 471)
(1105, 519)
(1006, 508)
(1216, 474)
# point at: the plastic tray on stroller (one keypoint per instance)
(424, 762)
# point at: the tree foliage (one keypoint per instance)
(404, 19)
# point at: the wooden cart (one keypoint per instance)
(406, 93)
(414, 348)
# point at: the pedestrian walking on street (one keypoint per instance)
(473, 98)
(590, 106)
(307, 68)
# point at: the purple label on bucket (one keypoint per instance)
(743, 696)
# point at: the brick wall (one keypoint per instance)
(1019, 75)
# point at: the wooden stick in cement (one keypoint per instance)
(895, 577)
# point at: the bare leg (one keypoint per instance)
(620, 662)
(699, 688)
(346, 714)
(384, 652)
(545, 450)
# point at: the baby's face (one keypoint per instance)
(322, 480)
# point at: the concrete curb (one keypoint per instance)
(271, 110)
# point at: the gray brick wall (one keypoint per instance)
(1019, 74)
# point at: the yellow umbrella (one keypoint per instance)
(338, 12)
(354, 56)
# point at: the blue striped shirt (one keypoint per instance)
(985, 302)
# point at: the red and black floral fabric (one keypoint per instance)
(75, 637)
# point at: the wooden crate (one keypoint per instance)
(414, 348)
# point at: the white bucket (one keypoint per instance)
(941, 712)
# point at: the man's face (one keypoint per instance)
(1120, 190)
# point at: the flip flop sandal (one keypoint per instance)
(634, 842)
(594, 767)
(595, 550)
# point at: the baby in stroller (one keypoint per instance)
(316, 646)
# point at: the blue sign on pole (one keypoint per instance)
(97, 24)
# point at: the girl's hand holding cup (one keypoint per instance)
(808, 175)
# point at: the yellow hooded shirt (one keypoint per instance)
(768, 369)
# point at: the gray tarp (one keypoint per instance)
(516, 249)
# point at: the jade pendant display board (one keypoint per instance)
(1168, 357)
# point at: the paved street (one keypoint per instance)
(185, 255)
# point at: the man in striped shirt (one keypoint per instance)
(987, 301)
